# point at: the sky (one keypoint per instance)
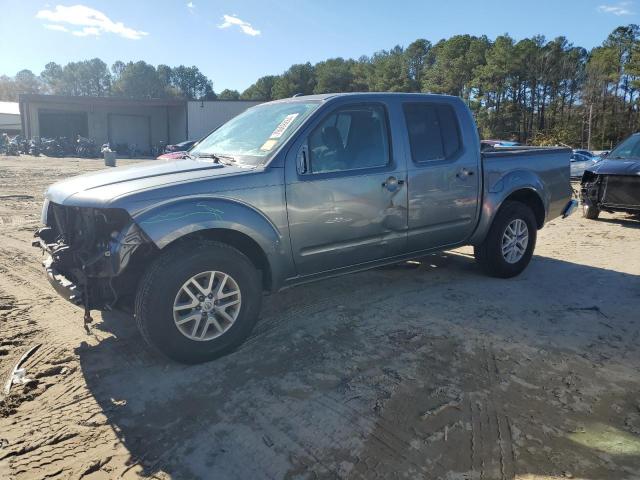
(236, 42)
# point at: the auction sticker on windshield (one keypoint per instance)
(284, 124)
(269, 144)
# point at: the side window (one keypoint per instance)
(350, 138)
(433, 131)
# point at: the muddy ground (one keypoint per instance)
(420, 370)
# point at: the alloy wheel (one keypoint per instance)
(207, 305)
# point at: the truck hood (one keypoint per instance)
(105, 185)
(615, 167)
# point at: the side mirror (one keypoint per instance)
(302, 159)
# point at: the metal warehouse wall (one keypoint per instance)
(206, 116)
(164, 123)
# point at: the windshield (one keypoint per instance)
(630, 148)
(254, 135)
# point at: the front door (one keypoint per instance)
(350, 205)
(443, 176)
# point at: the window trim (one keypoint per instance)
(358, 170)
(439, 161)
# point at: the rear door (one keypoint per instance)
(349, 207)
(443, 176)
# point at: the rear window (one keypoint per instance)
(433, 131)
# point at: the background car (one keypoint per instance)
(180, 147)
(581, 160)
(613, 183)
(491, 144)
(172, 156)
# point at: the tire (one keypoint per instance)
(590, 211)
(490, 255)
(161, 290)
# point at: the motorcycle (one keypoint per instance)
(22, 144)
(86, 148)
(51, 147)
(67, 146)
(13, 147)
(159, 149)
(34, 147)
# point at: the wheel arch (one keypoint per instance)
(222, 219)
(528, 190)
(238, 240)
(530, 198)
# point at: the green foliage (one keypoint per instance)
(261, 90)
(533, 90)
(192, 83)
(299, 79)
(138, 80)
(24, 82)
(418, 59)
(229, 95)
(334, 75)
(389, 71)
(454, 63)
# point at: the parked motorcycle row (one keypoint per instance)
(50, 147)
(80, 147)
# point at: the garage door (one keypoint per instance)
(130, 130)
(62, 124)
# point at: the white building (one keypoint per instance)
(10, 118)
(203, 117)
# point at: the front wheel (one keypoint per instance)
(198, 301)
(508, 247)
(590, 212)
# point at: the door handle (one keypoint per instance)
(392, 184)
(463, 172)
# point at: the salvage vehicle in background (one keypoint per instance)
(173, 156)
(613, 184)
(580, 161)
(286, 193)
(180, 147)
(177, 151)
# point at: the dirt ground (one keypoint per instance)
(426, 369)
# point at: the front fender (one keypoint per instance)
(166, 222)
(501, 187)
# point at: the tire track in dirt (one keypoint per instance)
(492, 445)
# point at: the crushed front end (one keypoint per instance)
(611, 193)
(89, 252)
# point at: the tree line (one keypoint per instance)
(532, 90)
(133, 80)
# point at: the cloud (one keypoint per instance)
(58, 28)
(90, 22)
(230, 20)
(190, 6)
(618, 9)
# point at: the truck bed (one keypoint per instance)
(510, 165)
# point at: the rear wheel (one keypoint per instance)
(198, 301)
(508, 247)
(590, 211)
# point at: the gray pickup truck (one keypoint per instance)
(289, 192)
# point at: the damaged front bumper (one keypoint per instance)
(611, 193)
(86, 257)
(66, 288)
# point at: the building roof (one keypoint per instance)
(11, 108)
(106, 101)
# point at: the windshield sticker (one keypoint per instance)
(269, 144)
(284, 124)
